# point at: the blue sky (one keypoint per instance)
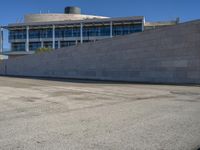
(153, 10)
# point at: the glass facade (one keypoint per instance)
(62, 33)
(67, 32)
(67, 43)
(48, 44)
(41, 33)
(17, 34)
(18, 46)
(75, 32)
(96, 31)
(34, 46)
(126, 29)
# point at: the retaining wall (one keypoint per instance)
(167, 55)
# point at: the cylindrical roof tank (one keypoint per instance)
(72, 10)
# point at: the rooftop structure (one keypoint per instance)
(71, 28)
(71, 13)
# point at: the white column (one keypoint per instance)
(59, 44)
(111, 29)
(42, 44)
(1, 40)
(143, 24)
(27, 38)
(53, 37)
(81, 33)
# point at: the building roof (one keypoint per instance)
(74, 22)
(30, 18)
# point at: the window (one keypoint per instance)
(46, 33)
(34, 46)
(18, 46)
(48, 44)
(126, 29)
(17, 35)
(104, 31)
(67, 43)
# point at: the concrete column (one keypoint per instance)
(42, 44)
(59, 44)
(111, 29)
(1, 40)
(76, 42)
(53, 37)
(81, 33)
(143, 24)
(27, 38)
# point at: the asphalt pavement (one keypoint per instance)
(38, 114)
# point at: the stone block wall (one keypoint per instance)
(167, 55)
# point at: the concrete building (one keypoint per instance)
(56, 31)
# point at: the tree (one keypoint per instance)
(44, 49)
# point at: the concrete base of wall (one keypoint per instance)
(167, 55)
